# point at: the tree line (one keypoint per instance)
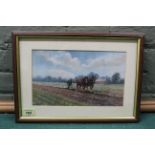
(114, 79)
(49, 79)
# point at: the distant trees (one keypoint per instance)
(89, 78)
(115, 79)
(49, 79)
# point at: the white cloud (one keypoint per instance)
(65, 59)
(62, 58)
(104, 61)
(66, 65)
(53, 73)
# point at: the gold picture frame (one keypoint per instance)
(6, 106)
(148, 105)
(99, 37)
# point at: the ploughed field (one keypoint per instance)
(57, 94)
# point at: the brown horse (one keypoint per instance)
(81, 82)
(85, 82)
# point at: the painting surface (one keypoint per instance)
(78, 78)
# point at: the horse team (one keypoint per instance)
(83, 82)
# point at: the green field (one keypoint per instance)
(110, 89)
(59, 95)
(41, 97)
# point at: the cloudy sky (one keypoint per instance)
(68, 64)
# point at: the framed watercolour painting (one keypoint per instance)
(78, 77)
